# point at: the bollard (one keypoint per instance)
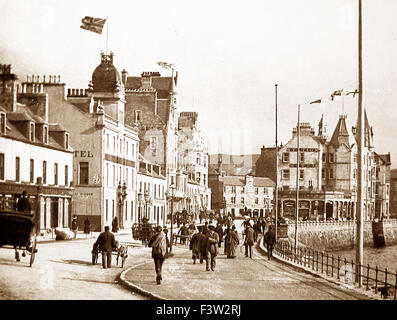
(338, 267)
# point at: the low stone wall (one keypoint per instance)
(338, 235)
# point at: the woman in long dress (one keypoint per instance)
(233, 242)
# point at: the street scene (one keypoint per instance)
(198, 151)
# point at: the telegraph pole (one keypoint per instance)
(297, 178)
(360, 158)
(276, 151)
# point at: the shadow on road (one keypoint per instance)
(72, 261)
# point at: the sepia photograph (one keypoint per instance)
(198, 155)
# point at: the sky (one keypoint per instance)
(229, 55)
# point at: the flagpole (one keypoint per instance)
(297, 180)
(276, 149)
(360, 158)
(107, 34)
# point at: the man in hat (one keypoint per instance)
(24, 203)
(212, 240)
(106, 243)
(249, 240)
(158, 243)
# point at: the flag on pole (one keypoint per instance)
(165, 65)
(336, 93)
(352, 92)
(93, 24)
(316, 101)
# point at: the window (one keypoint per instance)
(66, 176)
(44, 172)
(324, 173)
(45, 138)
(107, 141)
(113, 209)
(2, 122)
(114, 175)
(285, 156)
(17, 169)
(133, 151)
(114, 144)
(138, 115)
(153, 142)
(242, 189)
(31, 171)
(31, 137)
(2, 165)
(198, 159)
(107, 174)
(121, 146)
(331, 158)
(324, 157)
(302, 157)
(242, 200)
(285, 174)
(106, 210)
(56, 174)
(126, 176)
(301, 174)
(256, 190)
(331, 173)
(66, 140)
(126, 149)
(84, 173)
(256, 200)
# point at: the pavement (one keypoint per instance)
(241, 278)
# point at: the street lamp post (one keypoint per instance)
(121, 194)
(172, 187)
(140, 200)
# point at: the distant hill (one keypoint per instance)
(240, 165)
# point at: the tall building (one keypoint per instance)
(35, 154)
(193, 159)
(328, 173)
(105, 147)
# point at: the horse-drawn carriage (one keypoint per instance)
(17, 230)
(143, 231)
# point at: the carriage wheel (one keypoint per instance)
(94, 257)
(124, 257)
(33, 253)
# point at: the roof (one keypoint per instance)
(263, 182)
(105, 76)
(393, 173)
(19, 116)
(385, 158)
(234, 181)
(163, 85)
(56, 127)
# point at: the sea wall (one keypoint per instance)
(338, 235)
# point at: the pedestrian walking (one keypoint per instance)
(23, 204)
(165, 230)
(158, 243)
(184, 233)
(115, 225)
(249, 240)
(87, 227)
(269, 239)
(227, 246)
(233, 242)
(74, 226)
(106, 243)
(195, 246)
(212, 239)
(219, 230)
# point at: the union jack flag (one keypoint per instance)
(93, 24)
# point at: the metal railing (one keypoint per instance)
(382, 281)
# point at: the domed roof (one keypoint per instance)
(106, 77)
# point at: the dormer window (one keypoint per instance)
(45, 135)
(31, 132)
(66, 140)
(2, 123)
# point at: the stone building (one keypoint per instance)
(151, 187)
(105, 147)
(241, 195)
(382, 185)
(152, 104)
(35, 154)
(327, 173)
(193, 158)
(393, 193)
